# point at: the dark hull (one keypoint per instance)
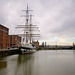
(25, 50)
(27, 53)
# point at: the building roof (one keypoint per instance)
(14, 35)
(4, 26)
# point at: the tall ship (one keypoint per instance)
(27, 46)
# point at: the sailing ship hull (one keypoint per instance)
(25, 50)
(28, 52)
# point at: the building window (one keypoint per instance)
(1, 45)
(10, 37)
(10, 42)
(6, 44)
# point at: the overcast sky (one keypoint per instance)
(55, 18)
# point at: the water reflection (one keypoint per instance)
(24, 65)
(3, 64)
(49, 62)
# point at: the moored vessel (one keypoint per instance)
(26, 47)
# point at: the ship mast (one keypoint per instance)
(27, 19)
(28, 28)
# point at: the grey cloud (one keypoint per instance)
(59, 21)
(67, 19)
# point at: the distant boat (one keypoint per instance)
(27, 48)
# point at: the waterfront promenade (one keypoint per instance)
(12, 51)
(9, 51)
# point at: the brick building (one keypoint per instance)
(36, 43)
(4, 31)
(12, 41)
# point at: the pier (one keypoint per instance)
(13, 51)
(7, 52)
(57, 48)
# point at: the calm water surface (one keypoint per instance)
(49, 62)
